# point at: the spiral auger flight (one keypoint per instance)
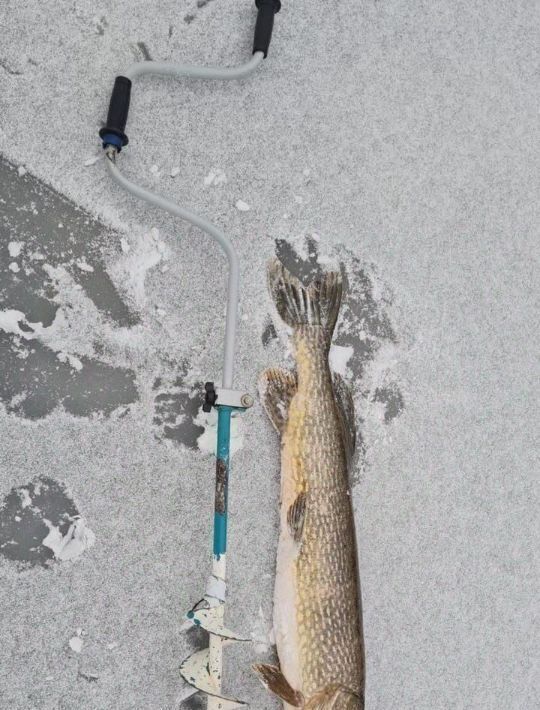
(203, 669)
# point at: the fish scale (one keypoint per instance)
(326, 570)
(317, 616)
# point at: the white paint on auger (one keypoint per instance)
(195, 671)
(211, 620)
(216, 588)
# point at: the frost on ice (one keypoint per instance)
(76, 642)
(143, 253)
(92, 161)
(15, 248)
(207, 440)
(262, 634)
(339, 358)
(78, 538)
(215, 177)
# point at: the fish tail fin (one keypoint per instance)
(297, 305)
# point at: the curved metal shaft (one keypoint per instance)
(181, 70)
(193, 72)
(216, 234)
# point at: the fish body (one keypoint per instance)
(317, 617)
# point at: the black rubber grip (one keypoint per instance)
(265, 24)
(118, 110)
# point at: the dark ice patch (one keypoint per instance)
(33, 382)
(89, 677)
(364, 322)
(22, 520)
(54, 232)
(188, 19)
(101, 25)
(176, 406)
(5, 66)
(144, 51)
(305, 269)
(195, 702)
(392, 399)
(269, 332)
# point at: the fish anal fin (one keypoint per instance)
(296, 516)
(335, 696)
(345, 409)
(273, 679)
(277, 387)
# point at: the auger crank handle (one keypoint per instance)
(114, 132)
(265, 24)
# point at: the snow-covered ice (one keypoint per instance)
(408, 131)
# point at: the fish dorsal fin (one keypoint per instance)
(273, 679)
(296, 516)
(277, 387)
(335, 696)
(345, 410)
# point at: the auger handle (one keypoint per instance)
(265, 24)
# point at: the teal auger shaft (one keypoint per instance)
(222, 479)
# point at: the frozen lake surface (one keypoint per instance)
(397, 139)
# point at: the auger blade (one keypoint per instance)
(216, 702)
(211, 620)
(195, 671)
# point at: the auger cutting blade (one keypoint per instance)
(195, 671)
(211, 620)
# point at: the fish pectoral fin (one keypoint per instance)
(345, 409)
(273, 679)
(296, 516)
(335, 696)
(277, 387)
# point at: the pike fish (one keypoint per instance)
(317, 605)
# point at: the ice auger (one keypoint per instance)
(203, 670)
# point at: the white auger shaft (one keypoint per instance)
(203, 671)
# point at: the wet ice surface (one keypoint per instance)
(398, 144)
